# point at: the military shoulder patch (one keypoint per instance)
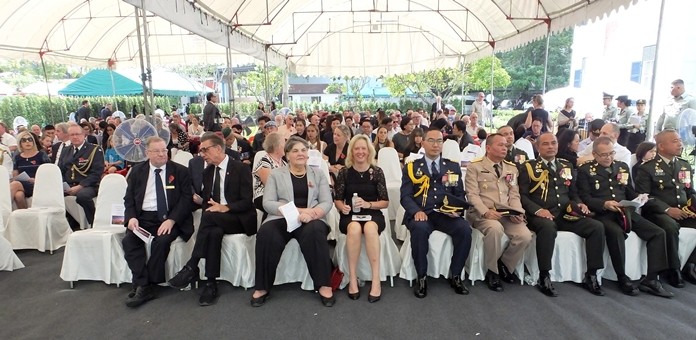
(476, 160)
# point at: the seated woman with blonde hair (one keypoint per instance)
(360, 176)
(26, 161)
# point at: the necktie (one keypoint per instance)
(433, 170)
(552, 166)
(216, 185)
(161, 198)
(497, 170)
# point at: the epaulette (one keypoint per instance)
(476, 160)
(682, 159)
(563, 160)
(508, 162)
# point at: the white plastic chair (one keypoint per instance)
(526, 146)
(42, 226)
(389, 259)
(450, 150)
(388, 161)
(182, 157)
(97, 253)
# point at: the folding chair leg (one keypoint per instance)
(118, 285)
(72, 284)
(391, 281)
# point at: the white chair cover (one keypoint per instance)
(182, 157)
(238, 260)
(293, 267)
(180, 251)
(475, 263)
(97, 253)
(388, 161)
(569, 261)
(526, 146)
(450, 150)
(482, 150)
(8, 259)
(636, 260)
(440, 251)
(332, 217)
(389, 259)
(400, 230)
(43, 226)
(5, 199)
(76, 211)
(687, 244)
(470, 152)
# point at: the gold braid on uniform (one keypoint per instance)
(688, 208)
(82, 170)
(424, 183)
(542, 181)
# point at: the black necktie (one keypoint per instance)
(216, 185)
(552, 166)
(161, 196)
(433, 170)
(497, 170)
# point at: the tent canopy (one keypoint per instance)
(322, 37)
(126, 82)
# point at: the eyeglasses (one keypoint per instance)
(205, 149)
(435, 141)
(605, 155)
(29, 139)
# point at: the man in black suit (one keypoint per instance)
(84, 112)
(61, 133)
(237, 143)
(460, 135)
(366, 129)
(82, 165)
(211, 113)
(158, 201)
(227, 202)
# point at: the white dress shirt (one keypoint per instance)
(150, 199)
(223, 171)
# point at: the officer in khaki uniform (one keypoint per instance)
(549, 197)
(610, 112)
(492, 189)
(602, 184)
(669, 181)
(514, 154)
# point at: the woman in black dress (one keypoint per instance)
(366, 180)
(336, 152)
(568, 142)
(566, 118)
(27, 160)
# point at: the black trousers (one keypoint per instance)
(671, 228)
(646, 230)
(589, 229)
(146, 271)
(214, 225)
(85, 198)
(457, 228)
(270, 243)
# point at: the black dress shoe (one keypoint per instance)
(590, 283)
(131, 294)
(328, 301)
(654, 287)
(261, 300)
(493, 282)
(689, 272)
(674, 278)
(504, 273)
(354, 296)
(209, 295)
(142, 294)
(420, 289)
(627, 286)
(184, 277)
(546, 287)
(458, 285)
(372, 299)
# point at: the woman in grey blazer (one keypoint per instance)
(309, 190)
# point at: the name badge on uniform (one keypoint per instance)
(169, 187)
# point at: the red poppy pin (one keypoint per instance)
(171, 179)
(342, 156)
(567, 183)
(33, 162)
(82, 159)
(310, 184)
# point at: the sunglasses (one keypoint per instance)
(29, 139)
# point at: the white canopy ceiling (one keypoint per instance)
(319, 37)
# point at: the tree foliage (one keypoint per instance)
(478, 75)
(20, 73)
(526, 64)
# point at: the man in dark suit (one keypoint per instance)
(227, 202)
(238, 144)
(211, 113)
(83, 112)
(547, 186)
(669, 181)
(442, 178)
(158, 203)
(61, 134)
(460, 135)
(514, 154)
(82, 165)
(602, 184)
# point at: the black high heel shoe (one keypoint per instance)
(328, 301)
(354, 296)
(372, 299)
(260, 301)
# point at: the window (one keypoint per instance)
(316, 99)
(577, 79)
(636, 68)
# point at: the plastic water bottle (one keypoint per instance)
(355, 208)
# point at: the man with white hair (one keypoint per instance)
(612, 131)
(478, 105)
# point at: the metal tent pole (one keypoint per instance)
(265, 72)
(143, 75)
(230, 78)
(48, 90)
(546, 61)
(146, 34)
(651, 128)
